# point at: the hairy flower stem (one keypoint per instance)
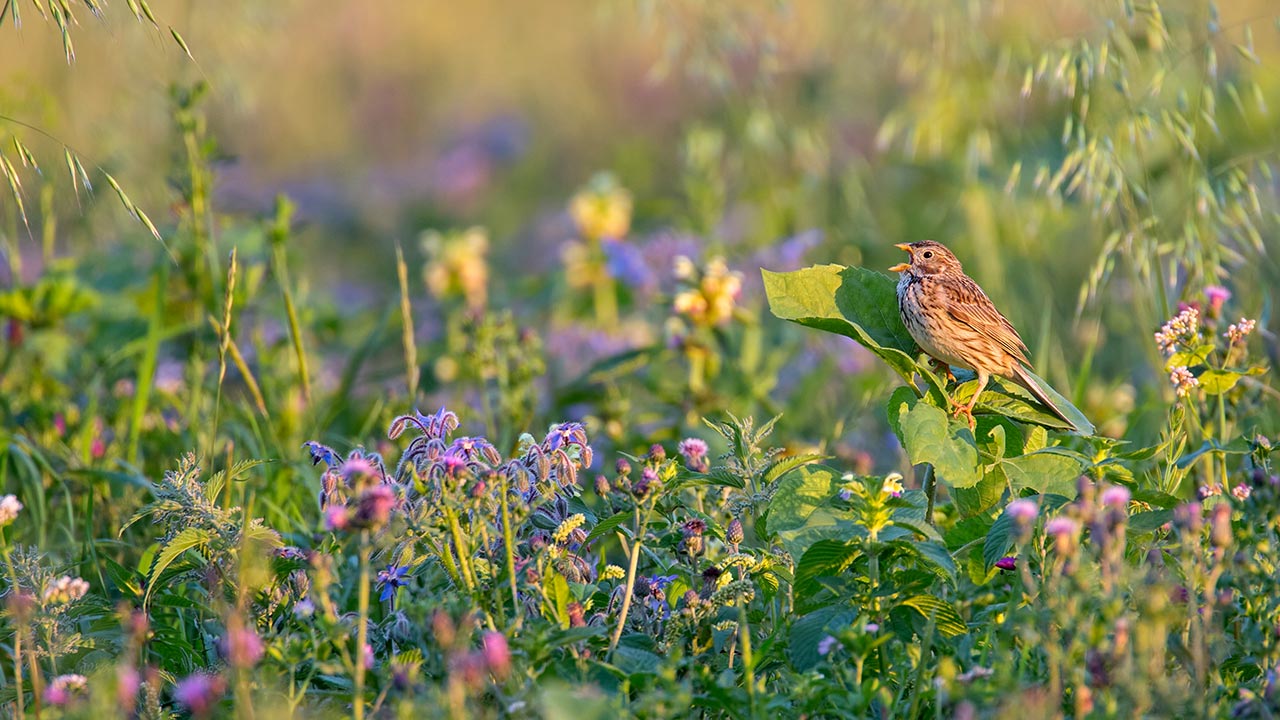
(508, 543)
(362, 630)
(626, 597)
(930, 483)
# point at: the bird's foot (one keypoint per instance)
(965, 411)
(942, 369)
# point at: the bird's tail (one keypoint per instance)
(1029, 382)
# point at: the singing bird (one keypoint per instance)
(956, 324)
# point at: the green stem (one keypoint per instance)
(508, 541)
(362, 630)
(930, 491)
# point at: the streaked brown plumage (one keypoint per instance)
(956, 324)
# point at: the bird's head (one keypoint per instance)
(927, 258)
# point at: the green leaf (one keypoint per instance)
(948, 621)
(929, 436)
(189, 539)
(1052, 470)
(1217, 382)
(1150, 520)
(973, 501)
(826, 558)
(1189, 358)
(801, 511)
(1239, 446)
(854, 302)
(606, 526)
(808, 631)
(634, 661)
(938, 556)
(557, 590)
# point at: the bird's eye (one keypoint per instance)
(928, 254)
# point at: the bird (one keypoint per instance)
(956, 324)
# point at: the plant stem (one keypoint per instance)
(626, 597)
(930, 491)
(508, 542)
(362, 631)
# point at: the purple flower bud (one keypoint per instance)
(602, 486)
(1189, 517)
(1220, 525)
(623, 467)
(657, 453)
(1023, 512)
(336, 518)
(734, 534)
(1007, 563)
(373, 507)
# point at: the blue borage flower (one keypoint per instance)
(390, 580)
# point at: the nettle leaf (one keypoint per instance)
(633, 661)
(973, 501)
(808, 631)
(947, 620)
(825, 558)
(802, 510)
(938, 558)
(929, 436)
(606, 526)
(189, 539)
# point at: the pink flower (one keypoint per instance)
(827, 644)
(1023, 511)
(1217, 296)
(871, 628)
(1116, 496)
(64, 688)
(241, 646)
(1061, 526)
(127, 683)
(497, 655)
(373, 507)
(335, 518)
(200, 692)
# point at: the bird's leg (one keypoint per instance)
(967, 408)
(942, 368)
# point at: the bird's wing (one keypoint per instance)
(969, 305)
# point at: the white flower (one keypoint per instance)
(9, 509)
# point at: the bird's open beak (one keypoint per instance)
(902, 267)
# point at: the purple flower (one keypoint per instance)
(63, 689)
(1061, 526)
(871, 628)
(200, 692)
(1217, 296)
(390, 580)
(336, 518)
(626, 263)
(373, 507)
(693, 449)
(1116, 496)
(1023, 512)
(826, 645)
(1007, 563)
(241, 646)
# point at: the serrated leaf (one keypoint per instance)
(791, 462)
(1217, 382)
(189, 539)
(939, 557)
(945, 617)
(606, 526)
(809, 630)
(825, 558)
(801, 511)
(929, 436)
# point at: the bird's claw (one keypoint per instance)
(967, 412)
(943, 369)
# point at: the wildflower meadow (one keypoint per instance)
(483, 360)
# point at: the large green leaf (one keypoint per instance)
(1052, 470)
(802, 512)
(854, 302)
(930, 436)
(948, 621)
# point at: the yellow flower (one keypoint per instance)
(456, 265)
(602, 209)
(710, 296)
(892, 485)
(612, 572)
(567, 526)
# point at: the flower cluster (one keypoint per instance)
(1182, 328)
(602, 209)
(64, 688)
(708, 296)
(694, 451)
(9, 509)
(65, 589)
(456, 265)
(1237, 332)
(1183, 380)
